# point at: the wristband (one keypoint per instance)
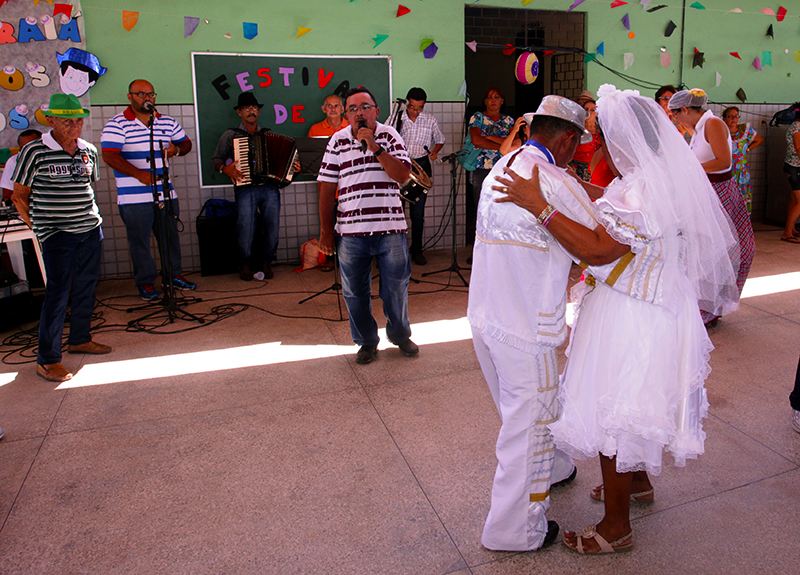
(546, 213)
(378, 152)
(550, 218)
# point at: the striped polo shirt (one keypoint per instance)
(369, 200)
(125, 134)
(62, 198)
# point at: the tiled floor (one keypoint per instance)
(255, 444)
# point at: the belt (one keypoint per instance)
(717, 178)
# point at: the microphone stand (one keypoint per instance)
(162, 210)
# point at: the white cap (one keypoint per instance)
(566, 109)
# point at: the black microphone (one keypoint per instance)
(363, 124)
(427, 151)
(149, 106)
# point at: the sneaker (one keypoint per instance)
(408, 348)
(148, 292)
(180, 282)
(796, 421)
(366, 354)
(552, 533)
(419, 259)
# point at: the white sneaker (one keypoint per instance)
(796, 421)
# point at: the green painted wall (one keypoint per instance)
(156, 49)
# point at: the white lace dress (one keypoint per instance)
(638, 354)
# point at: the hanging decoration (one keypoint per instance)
(301, 31)
(770, 32)
(670, 29)
(129, 19)
(472, 45)
(781, 14)
(626, 21)
(628, 57)
(735, 55)
(527, 68)
(402, 10)
(249, 30)
(430, 50)
(189, 25)
(509, 50)
(378, 39)
(601, 49)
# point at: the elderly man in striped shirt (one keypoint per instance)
(366, 162)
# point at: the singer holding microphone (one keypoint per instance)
(125, 144)
(366, 162)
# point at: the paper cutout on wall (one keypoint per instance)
(430, 51)
(11, 78)
(757, 63)
(697, 6)
(38, 74)
(735, 55)
(35, 2)
(463, 90)
(737, 10)
(189, 25)
(670, 29)
(719, 79)
(402, 10)
(770, 33)
(527, 68)
(698, 59)
(78, 71)
(601, 49)
(508, 50)
(302, 31)
(2, 2)
(250, 30)
(575, 4)
(473, 45)
(588, 57)
(129, 19)
(617, 3)
(766, 58)
(29, 31)
(526, 2)
(797, 56)
(645, 3)
(628, 58)
(666, 60)
(378, 39)
(41, 118)
(768, 11)
(49, 24)
(781, 14)
(65, 9)
(654, 8)
(425, 43)
(741, 95)
(626, 21)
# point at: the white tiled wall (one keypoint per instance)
(299, 205)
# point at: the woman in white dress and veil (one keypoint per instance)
(638, 356)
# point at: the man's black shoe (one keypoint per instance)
(408, 348)
(366, 354)
(552, 533)
(419, 259)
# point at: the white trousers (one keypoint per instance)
(525, 390)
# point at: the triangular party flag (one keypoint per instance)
(65, 9)
(737, 10)
(575, 4)
(129, 19)
(228, 35)
(549, 52)
(697, 6)
(797, 56)
(250, 30)
(626, 21)
(402, 10)
(473, 45)
(645, 3)
(781, 14)
(735, 55)
(301, 31)
(508, 50)
(463, 90)
(588, 57)
(770, 33)
(665, 59)
(601, 49)
(35, 2)
(670, 29)
(766, 58)
(757, 63)
(768, 11)
(617, 3)
(654, 8)
(189, 25)
(741, 95)
(697, 59)
(378, 39)
(425, 43)
(628, 58)
(719, 79)
(430, 51)
(526, 2)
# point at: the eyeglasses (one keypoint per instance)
(415, 108)
(732, 117)
(144, 95)
(362, 107)
(250, 108)
(665, 98)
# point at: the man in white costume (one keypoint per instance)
(517, 305)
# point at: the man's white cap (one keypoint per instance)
(566, 109)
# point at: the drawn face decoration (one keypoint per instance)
(74, 81)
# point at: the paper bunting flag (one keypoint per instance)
(601, 49)
(768, 11)
(666, 60)
(430, 51)
(770, 33)
(228, 36)
(463, 90)
(526, 2)
(508, 50)
(654, 8)
(588, 57)
(757, 64)
(797, 56)
(250, 30)
(425, 43)
(781, 14)
(697, 6)
(473, 45)
(737, 10)
(628, 59)
(549, 52)
(129, 19)
(402, 10)
(189, 25)
(766, 58)
(301, 31)
(35, 2)
(741, 95)
(735, 55)
(617, 3)
(626, 21)
(65, 9)
(670, 29)
(719, 79)
(645, 3)
(575, 4)
(697, 59)
(378, 39)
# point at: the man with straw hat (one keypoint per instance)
(53, 193)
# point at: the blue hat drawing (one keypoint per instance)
(85, 59)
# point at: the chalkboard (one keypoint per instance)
(290, 87)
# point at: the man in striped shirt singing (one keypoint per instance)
(366, 162)
(53, 193)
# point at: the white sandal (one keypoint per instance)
(624, 543)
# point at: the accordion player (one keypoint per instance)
(265, 156)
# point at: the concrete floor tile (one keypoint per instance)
(16, 458)
(28, 404)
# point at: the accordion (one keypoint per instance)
(265, 157)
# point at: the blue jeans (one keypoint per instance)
(72, 262)
(140, 221)
(250, 200)
(355, 263)
(417, 211)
